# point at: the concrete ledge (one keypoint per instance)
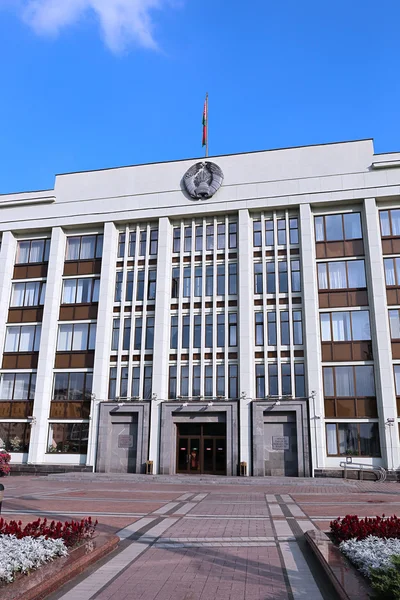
(348, 583)
(52, 576)
(23, 469)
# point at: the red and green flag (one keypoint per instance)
(205, 122)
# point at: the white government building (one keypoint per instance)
(244, 318)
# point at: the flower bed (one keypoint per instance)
(4, 466)
(351, 527)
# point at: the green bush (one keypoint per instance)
(386, 584)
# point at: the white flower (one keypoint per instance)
(26, 554)
(371, 553)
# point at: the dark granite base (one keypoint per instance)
(49, 578)
(47, 469)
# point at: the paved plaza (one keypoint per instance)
(200, 538)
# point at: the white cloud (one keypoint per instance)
(123, 22)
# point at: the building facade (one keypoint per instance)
(252, 328)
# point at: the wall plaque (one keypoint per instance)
(280, 442)
(125, 441)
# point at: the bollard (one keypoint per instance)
(1, 495)
(149, 467)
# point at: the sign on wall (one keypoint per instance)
(125, 441)
(280, 442)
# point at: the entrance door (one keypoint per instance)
(201, 448)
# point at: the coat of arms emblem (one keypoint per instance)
(202, 180)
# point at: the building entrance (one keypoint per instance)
(201, 448)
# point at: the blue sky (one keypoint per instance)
(88, 84)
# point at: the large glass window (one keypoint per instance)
(126, 340)
(260, 381)
(129, 286)
(153, 241)
(333, 228)
(73, 386)
(199, 238)
(335, 275)
(259, 328)
(31, 293)
(349, 381)
(17, 386)
(285, 332)
(208, 381)
(233, 381)
(271, 277)
(352, 439)
(68, 438)
(142, 243)
(175, 283)
(140, 286)
(283, 276)
(84, 247)
(345, 326)
(186, 282)
(188, 239)
(172, 386)
(32, 251)
(177, 239)
(80, 291)
(147, 382)
(232, 329)
(273, 379)
(77, 337)
(210, 237)
(221, 380)
(138, 333)
(232, 279)
(197, 331)
(299, 378)
(184, 380)
(296, 279)
(209, 331)
(121, 245)
(390, 222)
(196, 380)
(271, 328)
(115, 334)
(25, 338)
(209, 280)
(257, 241)
(297, 327)
(258, 278)
(198, 281)
(151, 285)
(220, 280)
(281, 223)
(220, 330)
(286, 379)
(174, 333)
(294, 230)
(269, 232)
(185, 331)
(392, 271)
(221, 236)
(118, 286)
(232, 236)
(15, 437)
(396, 369)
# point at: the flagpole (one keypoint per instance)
(207, 126)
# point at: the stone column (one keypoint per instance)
(48, 342)
(101, 368)
(312, 339)
(161, 335)
(246, 335)
(381, 340)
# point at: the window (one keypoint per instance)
(121, 245)
(260, 381)
(286, 379)
(233, 381)
(185, 332)
(270, 278)
(209, 280)
(208, 381)
(392, 271)
(186, 282)
(232, 279)
(285, 333)
(354, 439)
(126, 340)
(220, 330)
(221, 236)
(68, 438)
(115, 334)
(197, 332)
(283, 277)
(338, 275)
(259, 328)
(118, 286)
(257, 234)
(73, 386)
(175, 283)
(350, 381)
(123, 392)
(112, 384)
(296, 280)
(397, 379)
(209, 331)
(25, 338)
(177, 239)
(184, 381)
(258, 278)
(188, 239)
(281, 232)
(196, 380)
(334, 228)
(174, 333)
(394, 320)
(31, 293)
(273, 379)
(345, 326)
(220, 280)
(232, 329)
(198, 281)
(151, 285)
(147, 382)
(297, 328)
(17, 386)
(132, 244)
(136, 382)
(129, 286)
(137, 342)
(210, 237)
(232, 235)
(294, 230)
(299, 380)
(77, 337)
(153, 241)
(15, 436)
(271, 328)
(84, 247)
(140, 286)
(80, 291)
(172, 383)
(221, 380)
(269, 232)
(142, 243)
(199, 238)
(390, 222)
(32, 251)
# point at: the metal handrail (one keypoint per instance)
(348, 464)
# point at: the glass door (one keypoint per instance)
(183, 455)
(194, 457)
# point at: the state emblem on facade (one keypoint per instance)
(203, 180)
